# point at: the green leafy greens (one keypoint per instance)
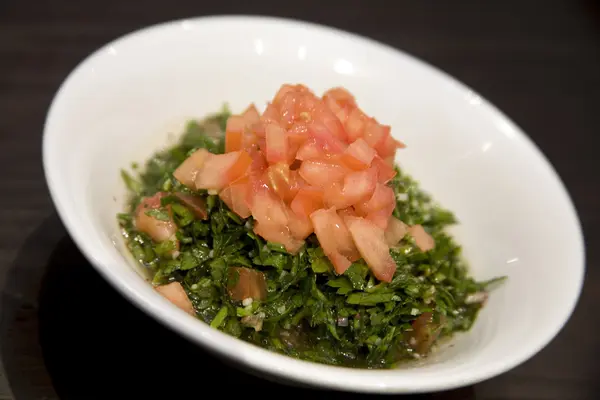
(310, 312)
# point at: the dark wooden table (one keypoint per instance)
(66, 334)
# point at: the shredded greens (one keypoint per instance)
(310, 312)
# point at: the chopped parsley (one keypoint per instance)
(310, 312)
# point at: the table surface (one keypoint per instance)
(538, 61)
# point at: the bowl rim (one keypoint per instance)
(333, 377)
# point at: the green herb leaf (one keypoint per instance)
(159, 214)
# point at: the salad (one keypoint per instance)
(294, 230)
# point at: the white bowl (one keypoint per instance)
(123, 101)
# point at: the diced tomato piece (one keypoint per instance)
(323, 115)
(341, 96)
(370, 242)
(277, 144)
(271, 114)
(235, 123)
(176, 294)
(280, 235)
(272, 221)
(359, 155)
(375, 134)
(423, 240)
(187, 172)
(259, 162)
(236, 197)
(246, 283)
(395, 231)
(238, 135)
(381, 217)
(355, 124)
(322, 173)
(389, 146)
(342, 115)
(334, 238)
(385, 172)
(282, 181)
(357, 187)
(283, 91)
(307, 201)
(325, 138)
(233, 141)
(310, 150)
(225, 196)
(360, 185)
(295, 141)
(268, 209)
(194, 203)
(248, 139)
(347, 212)
(239, 198)
(300, 225)
(221, 169)
(251, 115)
(382, 197)
(157, 229)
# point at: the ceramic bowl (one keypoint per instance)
(131, 96)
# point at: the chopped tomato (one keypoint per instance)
(300, 225)
(194, 203)
(286, 89)
(277, 144)
(235, 123)
(225, 196)
(295, 141)
(307, 200)
(251, 115)
(357, 187)
(269, 210)
(272, 220)
(375, 134)
(259, 162)
(280, 235)
(347, 212)
(385, 172)
(271, 114)
(341, 97)
(237, 137)
(221, 169)
(423, 240)
(236, 198)
(246, 283)
(322, 173)
(158, 229)
(233, 141)
(334, 238)
(358, 155)
(310, 150)
(355, 124)
(395, 231)
(282, 181)
(330, 121)
(389, 146)
(382, 197)
(176, 294)
(381, 218)
(187, 172)
(370, 242)
(325, 138)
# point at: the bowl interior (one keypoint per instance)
(134, 95)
